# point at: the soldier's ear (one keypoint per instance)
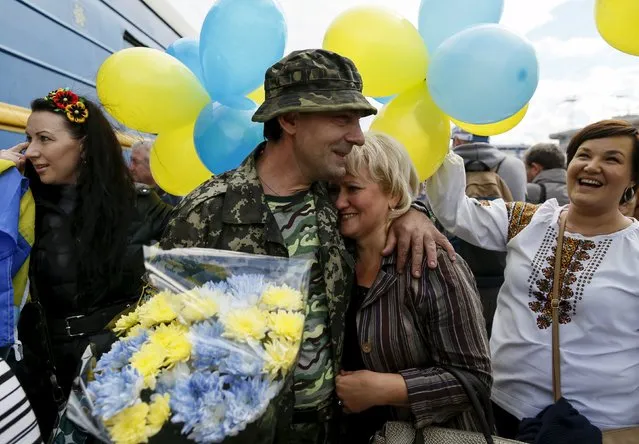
(289, 122)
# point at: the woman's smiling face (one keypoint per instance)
(600, 172)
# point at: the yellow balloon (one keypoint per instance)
(413, 118)
(258, 95)
(386, 48)
(492, 129)
(617, 22)
(175, 165)
(150, 91)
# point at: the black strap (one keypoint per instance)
(469, 166)
(479, 399)
(419, 437)
(45, 339)
(475, 391)
(474, 165)
(86, 325)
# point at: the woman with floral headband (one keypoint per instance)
(91, 224)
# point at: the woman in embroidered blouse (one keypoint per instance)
(400, 330)
(599, 309)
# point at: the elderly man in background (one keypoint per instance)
(140, 170)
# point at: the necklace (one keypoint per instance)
(268, 186)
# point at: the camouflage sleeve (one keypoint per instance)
(194, 224)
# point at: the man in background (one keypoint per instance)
(140, 170)
(476, 149)
(546, 174)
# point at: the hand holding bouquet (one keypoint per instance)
(208, 358)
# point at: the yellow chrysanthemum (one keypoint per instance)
(126, 322)
(136, 330)
(280, 357)
(282, 296)
(159, 412)
(245, 324)
(129, 426)
(174, 340)
(196, 308)
(160, 308)
(149, 359)
(285, 325)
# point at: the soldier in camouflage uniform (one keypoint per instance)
(276, 203)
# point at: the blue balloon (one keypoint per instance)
(225, 136)
(239, 40)
(187, 51)
(483, 74)
(440, 19)
(384, 100)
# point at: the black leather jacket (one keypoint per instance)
(54, 256)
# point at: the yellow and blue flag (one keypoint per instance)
(17, 225)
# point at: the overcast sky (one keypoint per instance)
(575, 62)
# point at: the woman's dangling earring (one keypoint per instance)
(628, 194)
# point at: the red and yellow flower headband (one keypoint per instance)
(66, 101)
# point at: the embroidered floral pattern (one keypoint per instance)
(519, 214)
(483, 203)
(580, 259)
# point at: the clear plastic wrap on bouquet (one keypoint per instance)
(201, 359)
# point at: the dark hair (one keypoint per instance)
(272, 130)
(106, 198)
(548, 155)
(608, 128)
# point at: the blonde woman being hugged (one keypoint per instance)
(400, 330)
(598, 311)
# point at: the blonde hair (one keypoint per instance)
(389, 165)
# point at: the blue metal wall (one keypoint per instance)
(45, 44)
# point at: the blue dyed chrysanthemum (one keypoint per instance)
(220, 286)
(113, 391)
(242, 363)
(246, 399)
(120, 353)
(208, 346)
(246, 288)
(169, 378)
(198, 403)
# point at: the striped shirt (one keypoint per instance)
(413, 326)
(18, 423)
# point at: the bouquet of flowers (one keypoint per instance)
(201, 359)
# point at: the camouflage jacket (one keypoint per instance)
(229, 212)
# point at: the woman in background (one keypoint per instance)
(598, 291)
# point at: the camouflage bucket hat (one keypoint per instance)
(312, 80)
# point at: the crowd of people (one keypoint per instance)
(410, 293)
